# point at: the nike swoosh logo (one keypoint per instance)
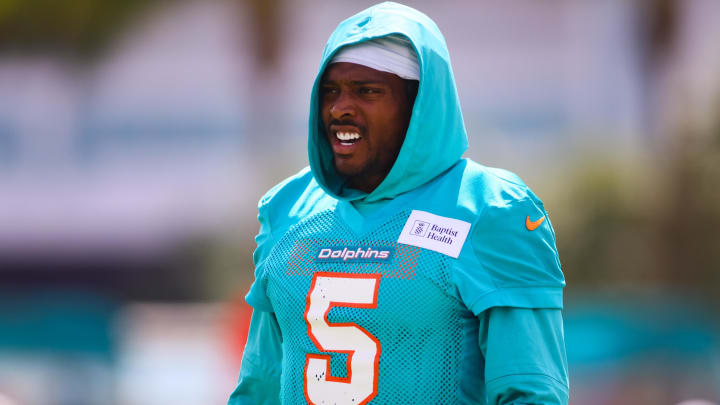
(532, 225)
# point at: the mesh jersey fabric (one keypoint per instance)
(419, 321)
(427, 302)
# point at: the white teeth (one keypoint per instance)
(347, 136)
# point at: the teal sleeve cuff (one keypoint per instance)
(509, 265)
(521, 297)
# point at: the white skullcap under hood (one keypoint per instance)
(393, 53)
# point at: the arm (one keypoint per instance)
(525, 361)
(259, 382)
(514, 287)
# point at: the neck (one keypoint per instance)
(366, 183)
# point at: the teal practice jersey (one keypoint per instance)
(368, 319)
(441, 286)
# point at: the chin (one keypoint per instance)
(348, 170)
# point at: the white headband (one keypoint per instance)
(394, 54)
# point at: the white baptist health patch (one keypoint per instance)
(441, 234)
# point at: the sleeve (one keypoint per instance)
(515, 261)
(525, 360)
(259, 382)
(257, 297)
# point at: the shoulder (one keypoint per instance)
(292, 185)
(491, 187)
(511, 241)
(503, 203)
(480, 190)
(292, 199)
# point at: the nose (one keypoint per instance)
(343, 106)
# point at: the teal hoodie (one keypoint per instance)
(505, 279)
(436, 137)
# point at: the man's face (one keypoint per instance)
(365, 113)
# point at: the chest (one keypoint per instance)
(371, 307)
(413, 285)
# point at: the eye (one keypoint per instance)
(329, 90)
(369, 90)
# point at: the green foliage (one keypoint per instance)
(691, 236)
(605, 225)
(645, 223)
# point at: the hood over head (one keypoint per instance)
(435, 138)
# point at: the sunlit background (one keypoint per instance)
(136, 137)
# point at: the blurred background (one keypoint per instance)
(136, 137)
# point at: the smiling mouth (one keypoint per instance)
(347, 138)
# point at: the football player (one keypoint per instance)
(392, 270)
